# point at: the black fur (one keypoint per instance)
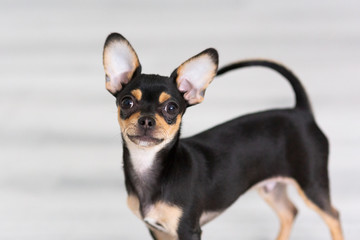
(209, 171)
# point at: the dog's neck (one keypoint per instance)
(143, 165)
(142, 158)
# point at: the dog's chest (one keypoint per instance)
(142, 160)
(161, 217)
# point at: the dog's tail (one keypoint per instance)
(302, 101)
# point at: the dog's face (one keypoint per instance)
(150, 107)
(149, 110)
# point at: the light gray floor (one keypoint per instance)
(60, 148)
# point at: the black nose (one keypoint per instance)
(147, 122)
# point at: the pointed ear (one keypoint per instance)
(120, 62)
(194, 75)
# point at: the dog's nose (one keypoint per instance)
(147, 122)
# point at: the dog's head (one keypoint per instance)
(150, 107)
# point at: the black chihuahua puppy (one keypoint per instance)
(177, 185)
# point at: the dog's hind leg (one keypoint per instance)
(318, 199)
(313, 184)
(274, 193)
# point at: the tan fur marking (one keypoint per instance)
(278, 200)
(164, 236)
(333, 223)
(162, 129)
(134, 205)
(137, 94)
(170, 129)
(163, 213)
(168, 216)
(131, 121)
(164, 97)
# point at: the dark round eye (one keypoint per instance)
(127, 103)
(171, 108)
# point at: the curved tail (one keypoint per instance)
(302, 101)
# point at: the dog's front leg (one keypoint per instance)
(152, 234)
(190, 234)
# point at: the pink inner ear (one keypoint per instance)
(194, 76)
(192, 94)
(116, 83)
(185, 85)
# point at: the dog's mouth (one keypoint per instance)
(145, 140)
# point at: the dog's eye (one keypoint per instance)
(127, 103)
(171, 108)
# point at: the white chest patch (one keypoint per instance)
(142, 158)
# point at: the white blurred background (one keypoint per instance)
(60, 147)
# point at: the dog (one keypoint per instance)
(175, 185)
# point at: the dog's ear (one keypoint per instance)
(193, 76)
(120, 62)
